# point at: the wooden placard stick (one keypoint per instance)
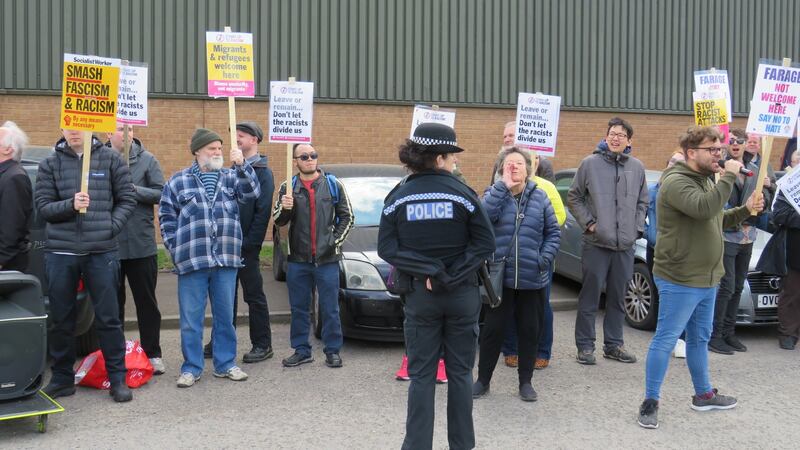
(231, 113)
(87, 164)
(126, 142)
(766, 150)
(289, 158)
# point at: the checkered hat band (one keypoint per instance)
(429, 141)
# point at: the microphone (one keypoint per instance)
(742, 170)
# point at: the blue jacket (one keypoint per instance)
(200, 234)
(651, 226)
(538, 239)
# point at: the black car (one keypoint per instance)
(84, 330)
(366, 308)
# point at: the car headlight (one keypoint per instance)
(362, 275)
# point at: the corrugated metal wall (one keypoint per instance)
(596, 54)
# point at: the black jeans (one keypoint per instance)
(100, 272)
(526, 308)
(737, 262)
(142, 274)
(252, 283)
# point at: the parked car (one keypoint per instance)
(86, 338)
(367, 309)
(758, 304)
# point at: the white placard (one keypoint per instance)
(789, 184)
(291, 111)
(537, 122)
(132, 95)
(717, 83)
(776, 101)
(427, 114)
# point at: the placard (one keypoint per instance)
(89, 93)
(789, 184)
(230, 64)
(427, 114)
(715, 81)
(132, 98)
(537, 122)
(774, 107)
(710, 108)
(291, 111)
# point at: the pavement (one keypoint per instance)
(563, 297)
(361, 406)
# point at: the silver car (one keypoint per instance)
(758, 304)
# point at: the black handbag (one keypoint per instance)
(492, 272)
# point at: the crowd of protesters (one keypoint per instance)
(704, 212)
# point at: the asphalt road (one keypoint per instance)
(362, 406)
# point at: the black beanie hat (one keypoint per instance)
(203, 137)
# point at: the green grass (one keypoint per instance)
(165, 262)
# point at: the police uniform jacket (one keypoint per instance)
(433, 226)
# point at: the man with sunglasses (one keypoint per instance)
(317, 209)
(738, 247)
(688, 265)
(609, 199)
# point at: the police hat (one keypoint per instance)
(437, 138)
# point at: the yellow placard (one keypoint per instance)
(89, 93)
(230, 64)
(708, 112)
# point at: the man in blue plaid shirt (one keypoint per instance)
(199, 216)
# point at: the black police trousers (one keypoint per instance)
(445, 322)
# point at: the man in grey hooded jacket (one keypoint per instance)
(609, 199)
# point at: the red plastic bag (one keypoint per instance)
(92, 371)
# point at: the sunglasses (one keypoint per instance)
(732, 141)
(307, 156)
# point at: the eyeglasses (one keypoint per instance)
(710, 149)
(307, 156)
(618, 135)
(732, 141)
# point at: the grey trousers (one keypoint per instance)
(434, 323)
(602, 268)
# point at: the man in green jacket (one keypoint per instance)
(689, 243)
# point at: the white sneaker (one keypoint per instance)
(186, 380)
(680, 349)
(234, 373)
(158, 366)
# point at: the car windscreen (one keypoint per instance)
(366, 197)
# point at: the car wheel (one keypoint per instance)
(277, 264)
(316, 319)
(641, 299)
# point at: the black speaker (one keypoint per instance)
(23, 335)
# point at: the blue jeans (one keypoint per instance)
(681, 307)
(301, 278)
(218, 284)
(545, 338)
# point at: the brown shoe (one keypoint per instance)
(541, 364)
(512, 361)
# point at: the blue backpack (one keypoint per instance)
(333, 186)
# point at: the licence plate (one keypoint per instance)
(767, 301)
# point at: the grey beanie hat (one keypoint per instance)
(203, 137)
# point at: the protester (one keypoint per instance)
(319, 216)
(753, 148)
(526, 230)
(791, 156)
(689, 244)
(738, 247)
(785, 215)
(82, 246)
(138, 256)
(612, 220)
(543, 170)
(436, 234)
(794, 161)
(199, 217)
(254, 219)
(544, 352)
(16, 200)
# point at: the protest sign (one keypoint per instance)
(89, 93)
(291, 114)
(710, 108)
(775, 104)
(427, 114)
(790, 186)
(715, 81)
(230, 64)
(537, 122)
(132, 98)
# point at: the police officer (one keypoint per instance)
(436, 234)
